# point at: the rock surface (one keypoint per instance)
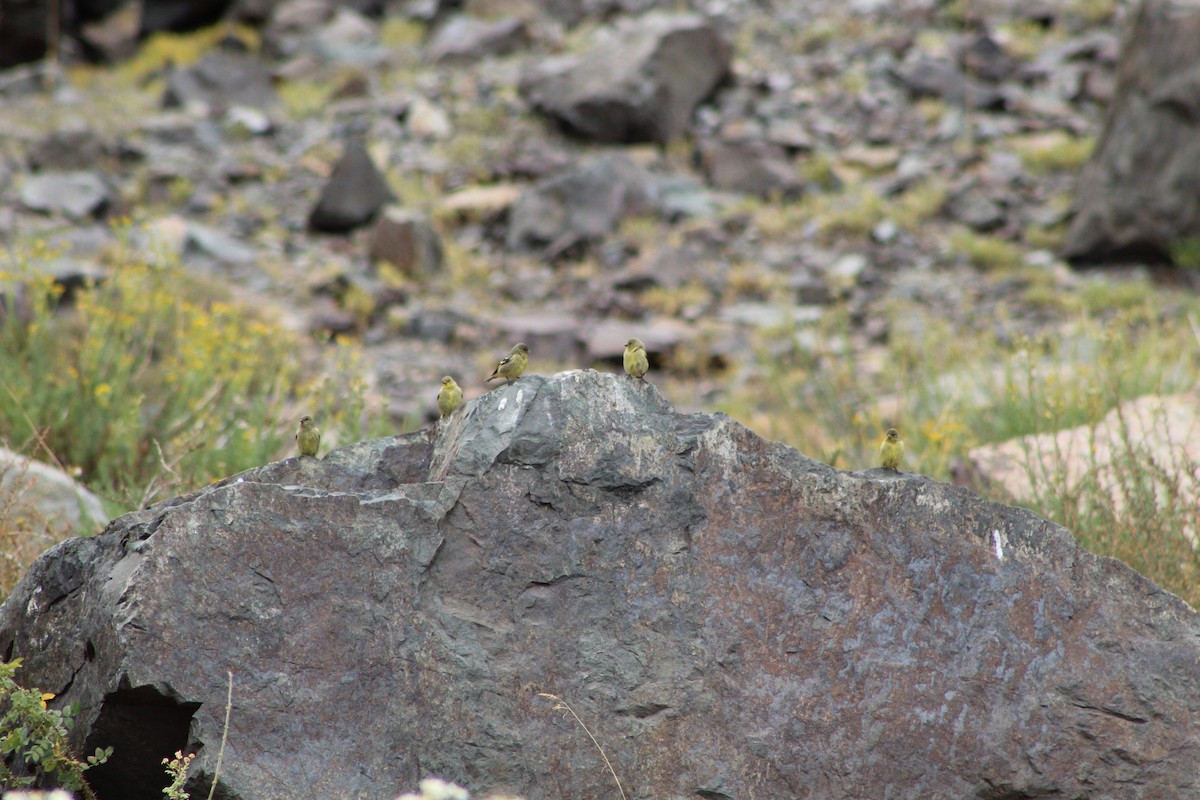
(44, 501)
(642, 85)
(353, 195)
(1136, 197)
(731, 618)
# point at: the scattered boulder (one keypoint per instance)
(44, 502)
(406, 240)
(972, 206)
(464, 38)
(727, 615)
(292, 21)
(928, 76)
(214, 243)
(1136, 197)
(67, 149)
(986, 58)
(481, 202)
(579, 205)
(426, 120)
(115, 36)
(219, 81)
(751, 167)
(354, 193)
(639, 86)
(78, 195)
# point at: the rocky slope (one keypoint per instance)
(917, 147)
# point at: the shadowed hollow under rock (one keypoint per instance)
(731, 618)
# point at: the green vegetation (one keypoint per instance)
(149, 381)
(1185, 252)
(1054, 151)
(985, 252)
(34, 734)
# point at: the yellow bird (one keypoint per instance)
(512, 365)
(636, 363)
(449, 397)
(891, 450)
(308, 437)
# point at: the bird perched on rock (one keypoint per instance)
(891, 450)
(636, 363)
(308, 437)
(512, 365)
(449, 397)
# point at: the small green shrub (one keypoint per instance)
(34, 734)
(151, 380)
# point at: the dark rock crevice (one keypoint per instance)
(140, 723)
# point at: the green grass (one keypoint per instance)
(150, 381)
(985, 252)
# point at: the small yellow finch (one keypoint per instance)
(449, 396)
(891, 450)
(512, 365)
(636, 363)
(308, 437)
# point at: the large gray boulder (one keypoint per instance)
(641, 85)
(1137, 197)
(731, 618)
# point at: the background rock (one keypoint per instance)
(76, 194)
(219, 81)
(1161, 430)
(354, 193)
(641, 85)
(730, 617)
(466, 38)
(1136, 197)
(44, 501)
(579, 205)
(406, 240)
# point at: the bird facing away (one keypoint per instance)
(891, 450)
(449, 397)
(636, 363)
(308, 437)
(512, 365)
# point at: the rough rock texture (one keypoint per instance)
(642, 85)
(731, 618)
(1137, 196)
